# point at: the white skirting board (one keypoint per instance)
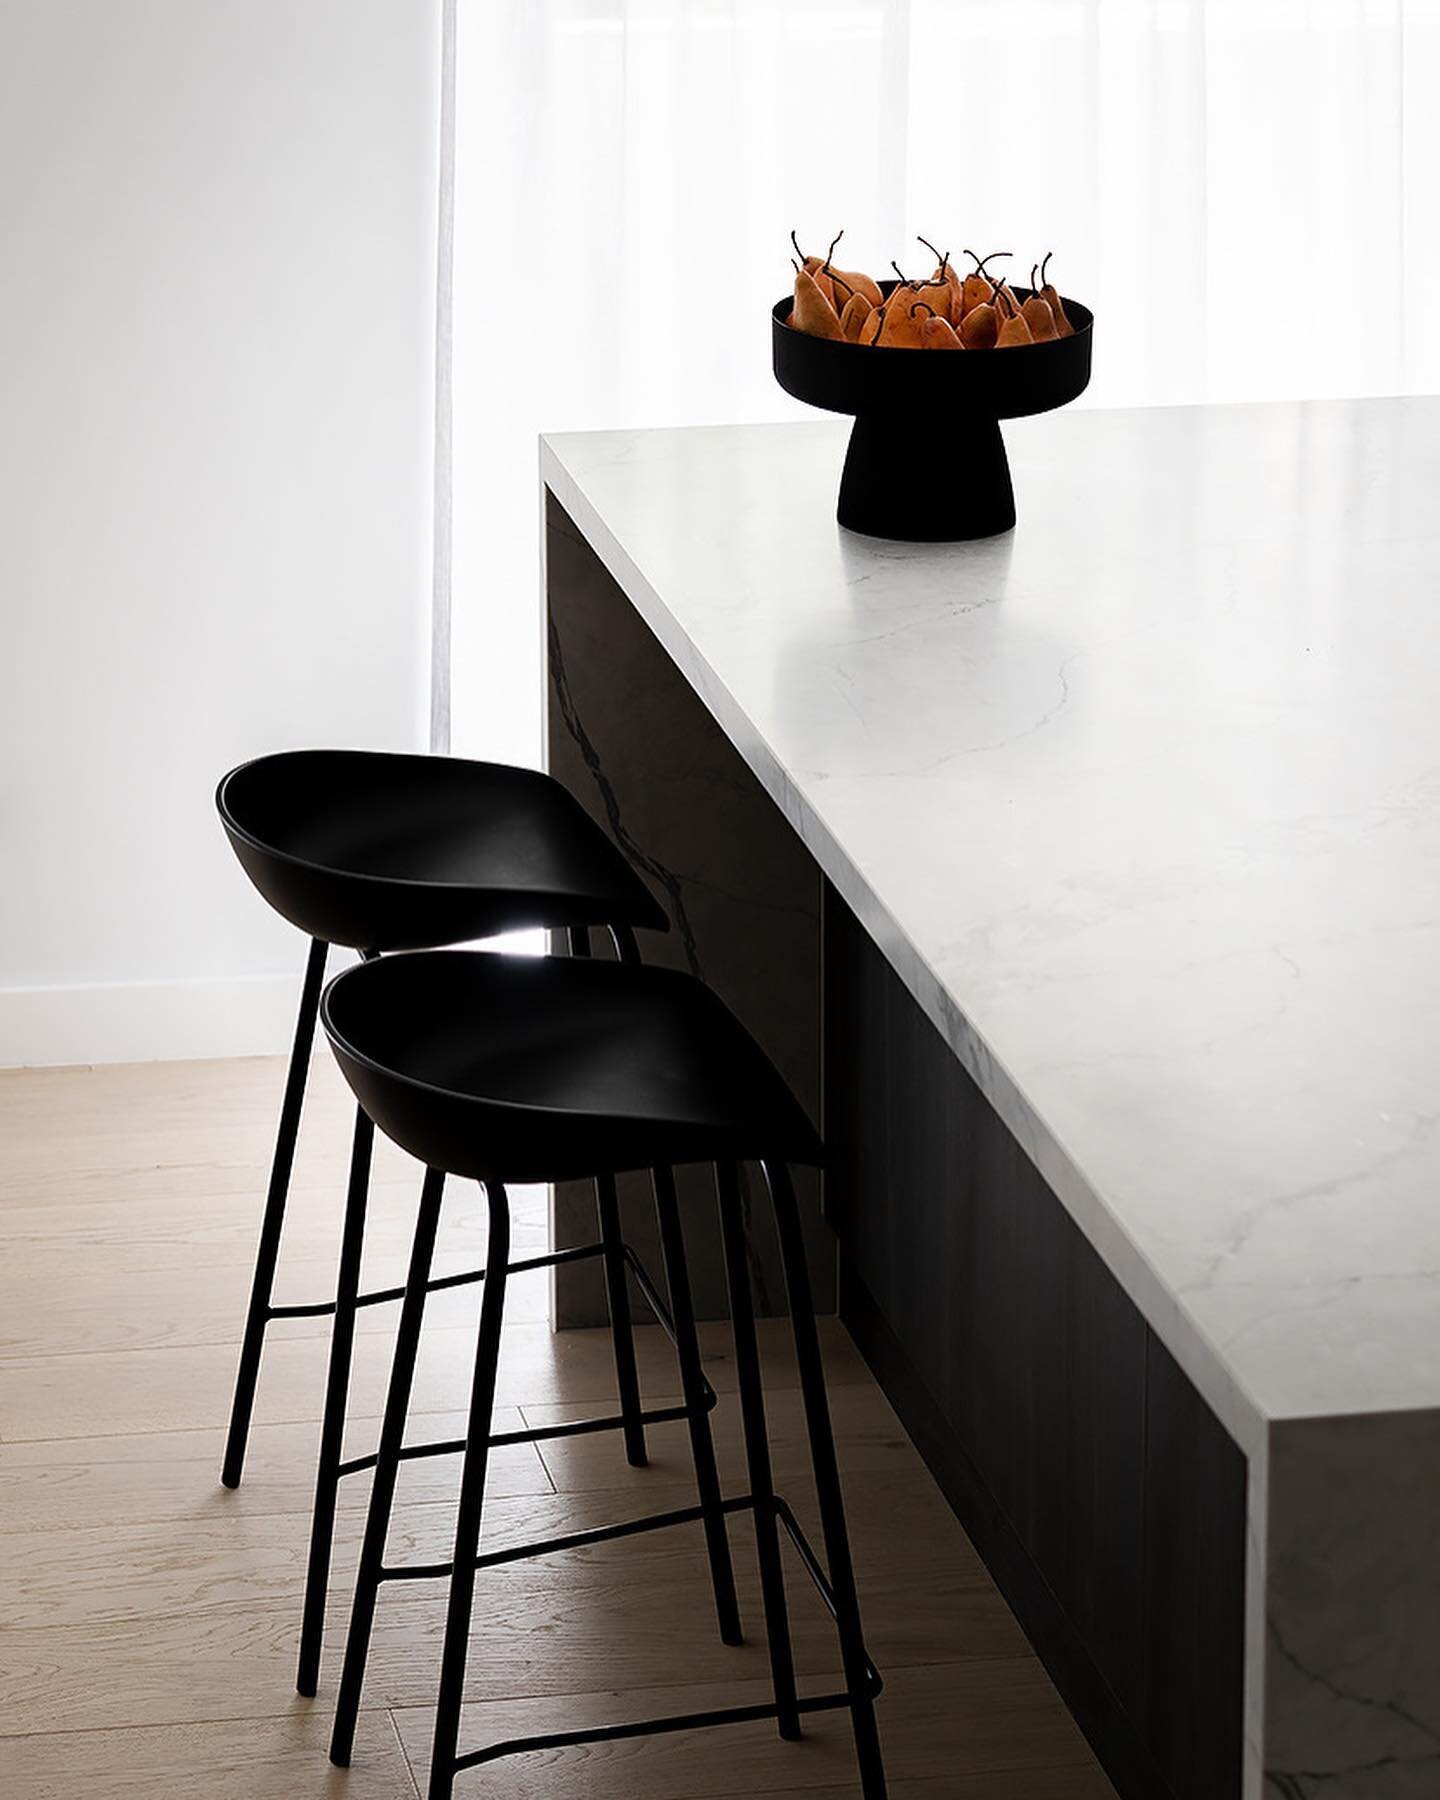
(148, 1021)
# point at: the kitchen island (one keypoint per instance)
(1087, 879)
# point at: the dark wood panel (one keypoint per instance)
(1195, 1489)
(1100, 1489)
(634, 742)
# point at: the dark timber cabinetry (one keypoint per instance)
(1101, 1490)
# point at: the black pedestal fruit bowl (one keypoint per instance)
(926, 461)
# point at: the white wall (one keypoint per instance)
(217, 281)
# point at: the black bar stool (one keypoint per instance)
(510, 1070)
(379, 852)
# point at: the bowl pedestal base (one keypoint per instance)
(891, 489)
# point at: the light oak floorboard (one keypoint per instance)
(534, 1635)
(224, 1557)
(974, 1729)
(63, 1484)
(185, 1389)
(869, 1438)
(59, 1484)
(95, 1311)
(276, 1758)
(148, 1618)
(198, 1310)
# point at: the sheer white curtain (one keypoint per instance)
(1245, 190)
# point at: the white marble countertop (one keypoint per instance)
(1143, 803)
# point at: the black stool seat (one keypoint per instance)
(517, 1069)
(381, 851)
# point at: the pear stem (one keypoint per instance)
(980, 261)
(944, 260)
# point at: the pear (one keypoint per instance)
(938, 334)
(976, 290)
(981, 326)
(847, 281)
(814, 267)
(946, 276)
(1037, 315)
(855, 281)
(905, 296)
(938, 296)
(838, 285)
(957, 291)
(812, 312)
(1041, 321)
(846, 289)
(852, 320)
(1063, 327)
(1013, 329)
(899, 327)
(840, 290)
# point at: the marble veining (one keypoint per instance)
(666, 879)
(1141, 802)
(1353, 1653)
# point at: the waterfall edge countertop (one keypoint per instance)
(1142, 802)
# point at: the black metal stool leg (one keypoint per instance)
(472, 1497)
(332, 1425)
(387, 1468)
(757, 1449)
(262, 1284)
(617, 1291)
(702, 1444)
(617, 1295)
(827, 1478)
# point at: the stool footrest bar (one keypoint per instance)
(574, 1540)
(554, 1259)
(536, 1434)
(696, 1721)
(661, 1521)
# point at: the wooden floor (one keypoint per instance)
(148, 1617)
